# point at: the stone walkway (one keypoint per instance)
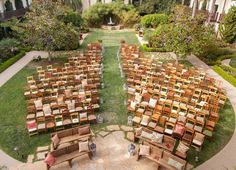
(226, 62)
(111, 154)
(226, 158)
(13, 69)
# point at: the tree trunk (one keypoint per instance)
(49, 56)
(183, 2)
(211, 11)
(195, 5)
(140, 2)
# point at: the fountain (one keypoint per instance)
(111, 25)
(110, 22)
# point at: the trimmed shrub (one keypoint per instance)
(153, 20)
(8, 48)
(223, 57)
(144, 47)
(212, 53)
(129, 18)
(225, 75)
(11, 61)
(72, 17)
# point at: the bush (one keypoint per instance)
(100, 13)
(225, 75)
(72, 17)
(153, 20)
(144, 47)
(129, 18)
(223, 57)
(8, 48)
(228, 28)
(11, 61)
(212, 53)
(231, 71)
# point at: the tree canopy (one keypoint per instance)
(228, 28)
(184, 35)
(42, 28)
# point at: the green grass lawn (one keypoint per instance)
(13, 106)
(113, 95)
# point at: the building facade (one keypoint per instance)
(87, 3)
(218, 7)
(13, 8)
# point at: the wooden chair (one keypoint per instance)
(59, 122)
(161, 125)
(50, 123)
(190, 123)
(188, 136)
(41, 125)
(198, 140)
(169, 127)
(183, 110)
(83, 117)
(75, 118)
(32, 127)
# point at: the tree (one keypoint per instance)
(157, 6)
(74, 4)
(184, 35)
(195, 6)
(228, 27)
(42, 30)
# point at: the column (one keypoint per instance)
(24, 3)
(13, 4)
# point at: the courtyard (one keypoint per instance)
(145, 97)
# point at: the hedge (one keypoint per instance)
(223, 57)
(11, 61)
(153, 20)
(225, 75)
(230, 70)
(144, 47)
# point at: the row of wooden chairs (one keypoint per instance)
(67, 96)
(169, 99)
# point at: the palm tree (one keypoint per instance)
(195, 5)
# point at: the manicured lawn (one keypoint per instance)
(113, 95)
(13, 106)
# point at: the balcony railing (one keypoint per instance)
(10, 14)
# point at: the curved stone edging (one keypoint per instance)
(226, 158)
(226, 62)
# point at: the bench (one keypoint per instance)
(166, 160)
(155, 152)
(71, 135)
(168, 143)
(68, 154)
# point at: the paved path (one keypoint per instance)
(8, 161)
(12, 70)
(226, 62)
(226, 158)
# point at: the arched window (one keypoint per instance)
(8, 6)
(19, 4)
